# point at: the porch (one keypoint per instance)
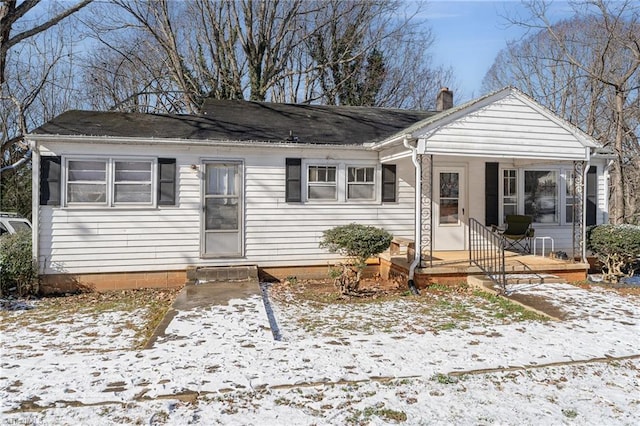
(449, 267)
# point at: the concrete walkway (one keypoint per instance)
(202, 295)
(217, 293)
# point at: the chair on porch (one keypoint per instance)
(518, 234)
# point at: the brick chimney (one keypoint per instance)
(444, 100)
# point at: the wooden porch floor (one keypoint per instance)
(446, 267)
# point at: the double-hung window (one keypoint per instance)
(132, 182)
(110, 182)
(322, 183)
(87, 181)
(361, 183)
(331, 181)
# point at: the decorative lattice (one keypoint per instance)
(427, 205)
(578, 223)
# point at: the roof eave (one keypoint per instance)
(121, 140)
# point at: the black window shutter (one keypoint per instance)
(491, 193)
(293, 178)
(592, 196)
(50, 173)
(166, 181)
(389, 183)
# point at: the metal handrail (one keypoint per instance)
(486, 251)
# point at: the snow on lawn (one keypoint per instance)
(221, 365)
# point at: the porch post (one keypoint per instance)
(578, 208)
(427, 205)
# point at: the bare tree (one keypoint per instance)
(130, 78)
(232, 44)
(326, 51)
(587, 69)
(370, 53)
(157, 22)
(267, 34)
(344, 34)
(412, 81)
(29, 65)
(214, 52)
(40, 86)
(11, 12)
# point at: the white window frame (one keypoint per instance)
(110, 182)
(563, 174)
(341, 181)
(114, 183)
(323, 184)
(68, 181)
(503, 195)
(364, 183)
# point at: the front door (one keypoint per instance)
(222, 209)
(449, 199)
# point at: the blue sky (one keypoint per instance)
(469, 35)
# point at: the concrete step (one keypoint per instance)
(533, 278)
(485, 283)
(212, 274)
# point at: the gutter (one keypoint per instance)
(35, 205)
(418, 214)
(378, 146)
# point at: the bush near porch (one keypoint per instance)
(617, 247)
(358, 243)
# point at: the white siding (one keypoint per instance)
(476, 199)
(507, 128)
(94, 240)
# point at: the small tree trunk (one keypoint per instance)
(348, 281)
(617, 178)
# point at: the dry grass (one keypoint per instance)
(437, 308)
(149, 305)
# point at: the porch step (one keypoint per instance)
(485, 283)
(211, 274)
(533, 278)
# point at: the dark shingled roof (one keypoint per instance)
(234, 120)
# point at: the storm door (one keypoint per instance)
(222, 209)
(449, 193)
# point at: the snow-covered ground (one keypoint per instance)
(221, 365)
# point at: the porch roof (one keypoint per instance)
(503, 124)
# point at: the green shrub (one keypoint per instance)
(617, 247)
(18, 270)
(357, 243)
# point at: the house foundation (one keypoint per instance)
(449, 268)
(73, 283)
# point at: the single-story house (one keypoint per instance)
(137, 199)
